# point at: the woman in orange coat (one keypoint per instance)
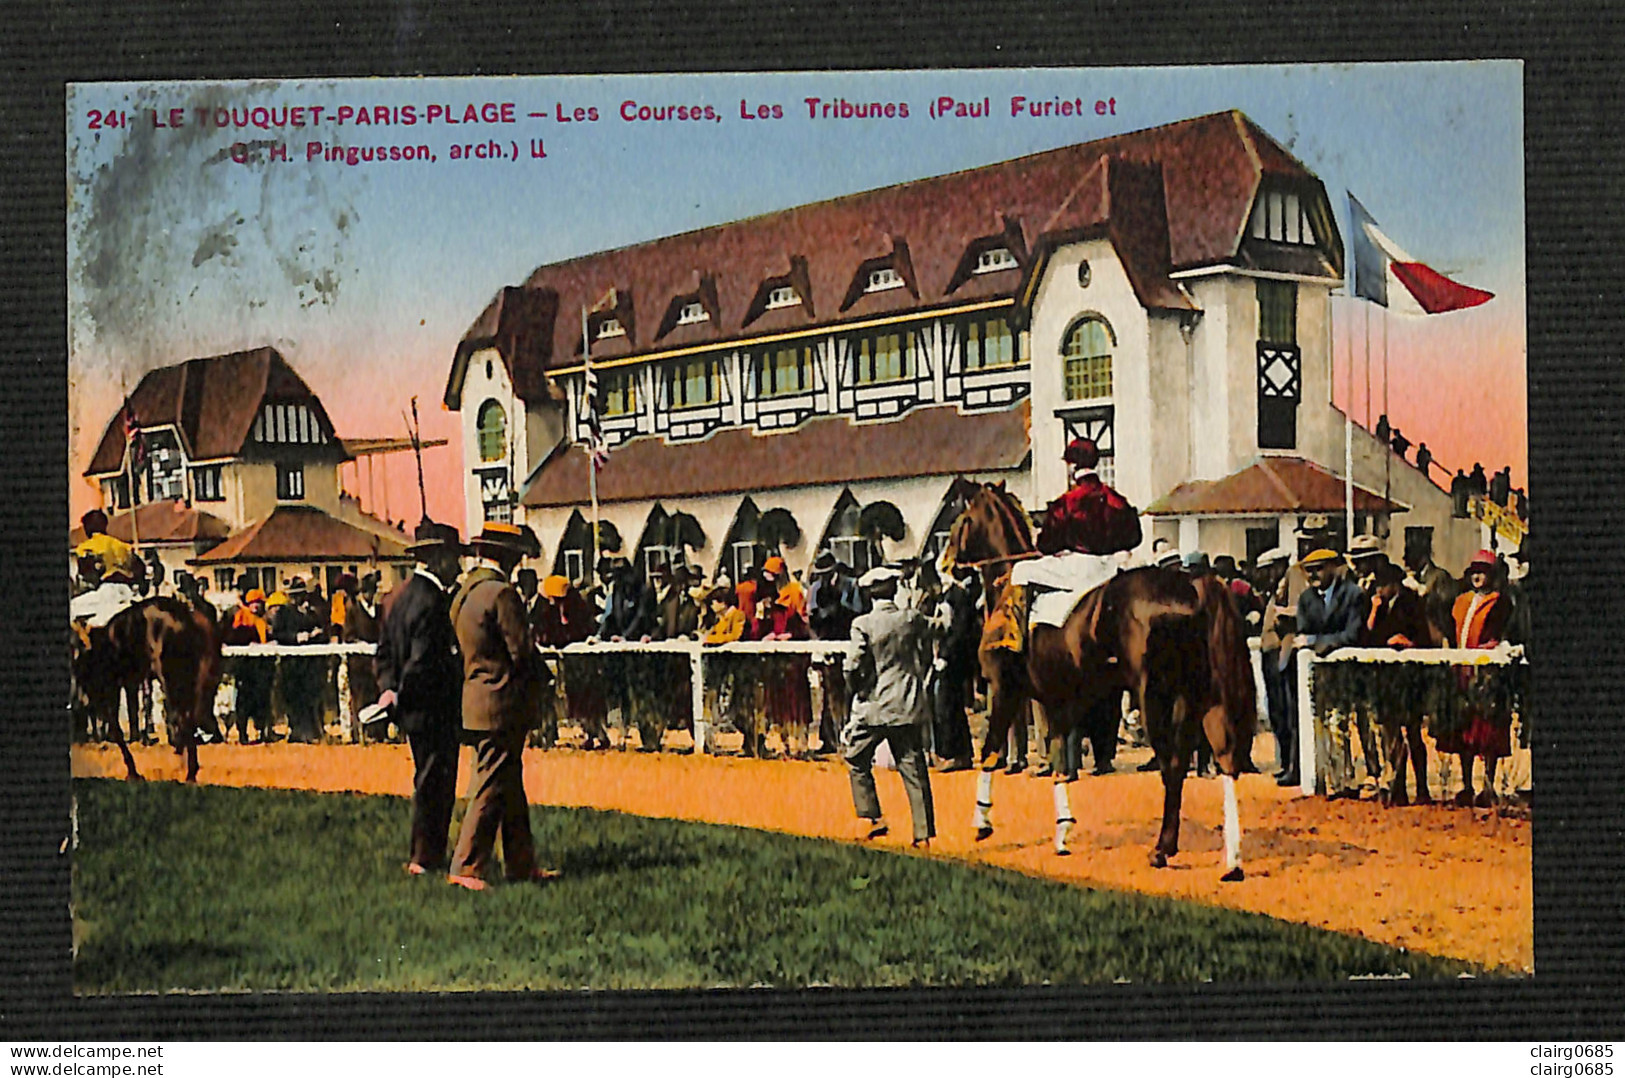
(1481, 616)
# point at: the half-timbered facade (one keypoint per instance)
(237, 474)
(857, 362)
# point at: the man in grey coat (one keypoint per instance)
(888, 673)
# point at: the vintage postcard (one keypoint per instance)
(817, 529)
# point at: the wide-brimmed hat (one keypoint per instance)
(1386, 572)
(295, 587)
(1168, 558)
(432, 534)
(1320, 557)
(555, 587)
(1483, 558)
(773, 565)
(824, 563)
(254, 595)
(510, 538)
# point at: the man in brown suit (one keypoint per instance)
(503, 678)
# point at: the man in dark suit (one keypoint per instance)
(503, 679)
(956, 661)
(1397, 620)
(1331, 614)
(361, 626)
(421, 679)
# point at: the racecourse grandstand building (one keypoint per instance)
(834, 375)
(236, 473)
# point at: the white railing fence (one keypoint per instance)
(1315, 704)
(700, 657)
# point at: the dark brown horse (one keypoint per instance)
(1176, 644)
(159, 638)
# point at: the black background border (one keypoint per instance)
(1572, 170)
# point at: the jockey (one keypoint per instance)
(1091, 517)
(1080, 530)
(114, 556)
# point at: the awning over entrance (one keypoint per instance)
(1270, 486)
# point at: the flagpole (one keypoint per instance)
(592, 462)
(129, 472)
(1348, 450)
(1388, 456)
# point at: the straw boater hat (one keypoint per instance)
(501, 537)
(1365, 546)
(1320, 557)
(1272, 556)
(430, 535)
(1168, 559)
(880, 574)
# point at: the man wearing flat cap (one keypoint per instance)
(890, 704)
(1331, 614)
(503, 680)
(421, 678)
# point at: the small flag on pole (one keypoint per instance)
(597, 445)
(1388, 277)
(132, 436)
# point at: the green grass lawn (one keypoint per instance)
(224, 889)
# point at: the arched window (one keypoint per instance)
(493, 431)
(1087, 359)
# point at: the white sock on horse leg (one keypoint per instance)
(984, 800)
(1232, 825)
(1063, 817)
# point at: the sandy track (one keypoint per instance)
(1441, 880)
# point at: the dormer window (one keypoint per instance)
(610, 327)
(782, 296)
(883, 280)
(692, 313)
(994, 259)
(1281, 217)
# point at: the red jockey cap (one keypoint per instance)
(1083, 453)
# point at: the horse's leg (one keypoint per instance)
(1003, 701)
(1165, 721)
(982, 819)
(1220, 733)
(117, 731)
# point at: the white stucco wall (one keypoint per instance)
(1058, 303)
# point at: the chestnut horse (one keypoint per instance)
(160, 638)
(1177, 644)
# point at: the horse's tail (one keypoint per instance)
(1231, 663)
(1176, 661)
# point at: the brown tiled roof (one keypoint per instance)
(212, 402)
(163, 522)
(1271, 485)
(302, 533)
(1170, 198)
(938, 440)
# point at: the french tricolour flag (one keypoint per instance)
(1387, 276)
